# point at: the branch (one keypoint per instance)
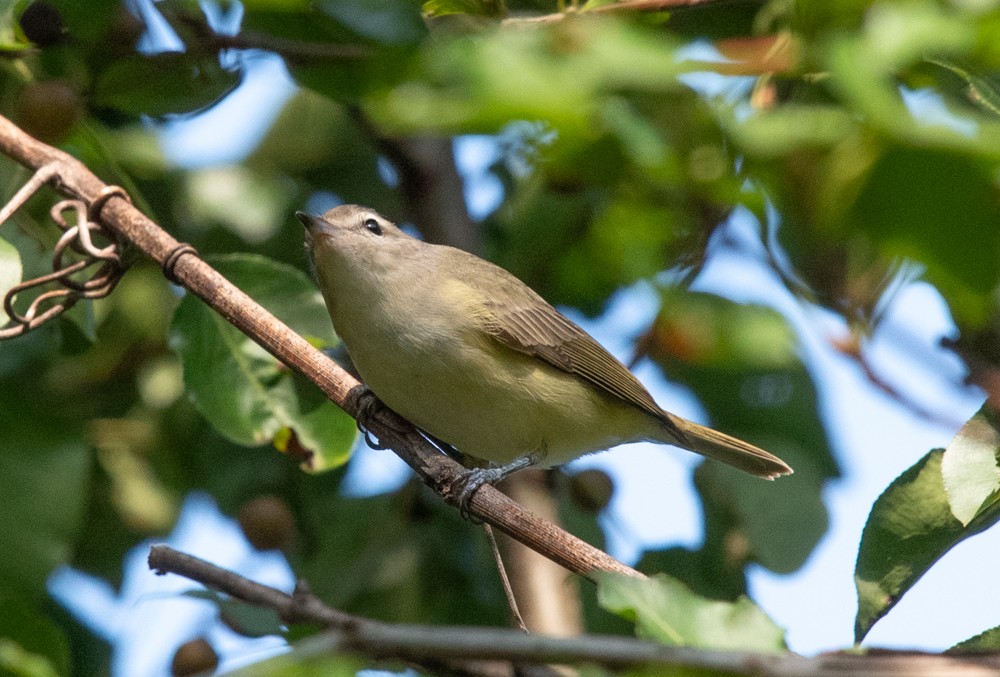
(426, 645)
(850, 347)
(74, 179)
(625, 5)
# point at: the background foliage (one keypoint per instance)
(614, 170)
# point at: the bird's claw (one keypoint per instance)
(368, 407)
(468, 483)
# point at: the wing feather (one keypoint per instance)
(525, 322)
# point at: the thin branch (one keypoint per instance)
(435, 469)
(851, 348)
(426, 645)
(614, 7)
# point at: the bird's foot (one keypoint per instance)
(368, 406)
(468, 482)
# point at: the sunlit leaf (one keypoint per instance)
(31, 645)
(969, 467)
(10, 272)
(984, 641)
(909, 528)
(665, 610)
(240, 388)
(486, 8)
(304, 661)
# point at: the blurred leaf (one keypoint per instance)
(969, 467)
(988, 641)
(16, 661)
(8, 39)
(984, 89)
(244, 391)
(743, 364)
(10, 272)
(162, 84)
(89, 653)
(105, 539)
(564, 70)
(88, 21)
(251, 204)
(404, 558)
(939, 208)
(303, 661)
(666, 611)
(30, 644)
(909, 528)
(487, 8)
(787, 128)
(43, 484)
(897, 36)
(249, 620)
(388, 21)
(336, 156)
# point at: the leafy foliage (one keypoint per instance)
(945, 498)
(664, 610)
(616, 165)
(245, 392)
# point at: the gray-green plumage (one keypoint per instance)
(469, 353)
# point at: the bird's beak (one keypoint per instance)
(308, 220)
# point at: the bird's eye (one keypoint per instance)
(373, 226)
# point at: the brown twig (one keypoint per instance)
(427, 645)
(183, 266)
(851, 348)
(625, 6)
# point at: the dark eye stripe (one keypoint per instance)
(373, 226)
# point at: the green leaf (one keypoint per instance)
(241, 389)
(163, 83)
(983, 89)
(17, 661)
(743, 364)
(387, 21)
(969, 467)
(988, 640)
(251, 204)
(909, 528)
(665, 610)
(42, 490)
(485, 8)
(31, 644)
(10, 272)
(788, 128)
(249, 620)
(304, 661)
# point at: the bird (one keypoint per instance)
(476, 359)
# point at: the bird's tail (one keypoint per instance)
(729, 450)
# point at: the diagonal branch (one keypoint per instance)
(182, 265)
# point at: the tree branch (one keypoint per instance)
(426, 645)
(435, 469)
(613, 7)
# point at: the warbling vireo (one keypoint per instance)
(471, 355)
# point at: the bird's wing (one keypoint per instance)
(525, 322)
